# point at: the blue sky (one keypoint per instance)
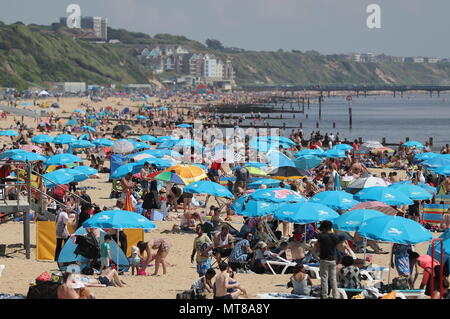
(409, 27)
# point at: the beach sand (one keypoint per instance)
(20, 272)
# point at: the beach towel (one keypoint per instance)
(128, 205)
(432, 213)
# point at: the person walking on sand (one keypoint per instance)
(202, 247)
(326, 244)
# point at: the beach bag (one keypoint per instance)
(45, 290)
(42, 278)
(400, 283)
(152, 201)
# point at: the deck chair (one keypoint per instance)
(280, 262)
(266, 234)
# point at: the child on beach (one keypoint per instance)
(105, 252)
(135, 260)
(204, 282)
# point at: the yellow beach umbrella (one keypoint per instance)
(256, 171)
(189, 173)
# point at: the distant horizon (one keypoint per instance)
(409, 28)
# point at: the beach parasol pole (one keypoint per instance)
(365, 248)
(390, 258)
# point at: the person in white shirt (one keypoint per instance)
(62, 233)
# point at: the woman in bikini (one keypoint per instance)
(162, 246)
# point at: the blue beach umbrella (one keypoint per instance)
(437, 248)
(9, 133)
(334, 153)
(350, 221)
(443, 170)
(385, 195)
(62, 159)
(88, 128)
(425, 156)
(103, 142)
(159, 162)
(238, 204)
(277, 195)
(184, 125)
(140, 145)
(414, 192)
(166, 138)
(339, 200)
(394, 229)
(438, 161)
(269, 182)
(77, 175)
(253, 208)
(10, 153)
(342, 147)
(208, 187)
(78, 111)
(163, 108)
(58, 177)
(42, 139)
(278, 159)
(428, 188)
(307, 162)
(305, 213)
(86, 170)
(141, 117)
(72, 122)
(147, 138)
(27, 157)
(64, 139)
(158, 153)
(413, 144)
(119, 219)
(82, 144)
(317, 152)
(84, 137)
(123, 170)
(26, 104)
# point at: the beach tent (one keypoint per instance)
(43, 93)
(67, 256)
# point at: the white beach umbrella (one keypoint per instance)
(122, 147)
(365, 183)
(372, 144)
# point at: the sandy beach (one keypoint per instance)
(20, 272)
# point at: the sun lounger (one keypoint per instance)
(313, 270)
(280, 262)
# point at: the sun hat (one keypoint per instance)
(163, 190)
